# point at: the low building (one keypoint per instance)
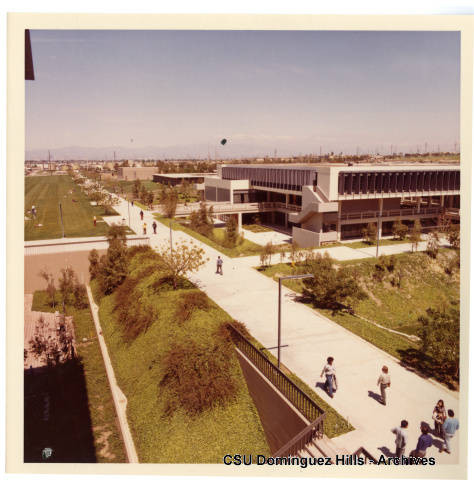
(332, 202)
(173, 179)
(136, 173)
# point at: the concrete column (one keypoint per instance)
(442, 200)
(287, 197)
(338, 222)
(239, 222)
(380, 222)
(418, 204)
(429, 201)
(286, 220)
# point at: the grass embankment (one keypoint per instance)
(107, 438)
(45, 193)
(246, 248)
(163, 429)
(424, 284)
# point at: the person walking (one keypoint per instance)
(154, 227)
(424, 442)
(439, 416)
(33, 211)
(95, 221)
(450, 426)
(219, 264)
(144, 229)
(141, 215)
(384, 382)
(132, 203)
(400, 438)
(330, 373)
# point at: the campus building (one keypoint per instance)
(332, 202)
(173, 179)
(136, 173)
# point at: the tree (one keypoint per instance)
(432, 246)
(66, 281)
(330, 287)
(454, 237)
(295, 253)
(113, 265)
(399, 230)
(369, 233)
(182, 260)
(415, 235)
(136, 188)
(108, 202)
(50, 288)
(169, 201)
(93, 263)
(231, 231)
(439, 335)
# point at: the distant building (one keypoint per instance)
(327, 203)
(136, 173)
(173, 179)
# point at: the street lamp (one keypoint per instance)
(288, 277)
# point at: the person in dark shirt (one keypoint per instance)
(424, 442)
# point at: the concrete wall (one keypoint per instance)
(280, 420)
(136, 173)
(307, 238)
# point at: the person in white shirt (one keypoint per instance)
(384, 382)
(330, 373)
(401, 438)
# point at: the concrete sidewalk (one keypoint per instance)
(251, 298)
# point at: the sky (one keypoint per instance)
(165, 93)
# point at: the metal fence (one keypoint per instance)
(294, 394)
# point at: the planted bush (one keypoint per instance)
(190, 302)
(198, 377)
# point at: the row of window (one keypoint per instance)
(387, 182)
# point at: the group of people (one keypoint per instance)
(445, 424)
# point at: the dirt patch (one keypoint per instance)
(103, 441)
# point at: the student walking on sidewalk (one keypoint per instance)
(144, 229)
(450, 426)
(384, 382)
(141, 215)
(219, 265)
(401, 438)
(330, 373)
(154, 227)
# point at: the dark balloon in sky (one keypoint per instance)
(223, 141)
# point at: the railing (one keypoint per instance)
(236, 207)
(294, 394)
(299, 441)
(391, 213)
(362, 452)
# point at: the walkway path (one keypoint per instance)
(251, 298)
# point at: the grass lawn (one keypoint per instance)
(162, 436)
(257, 228)
(244, 249)
(45, 193)
(424, 285)
(107, 438)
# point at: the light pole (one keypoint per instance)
(171, 237)
(289, 277)
(128, 203)
(378, 235)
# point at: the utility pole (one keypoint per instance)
(171, 237)
(378, 235)
(61, 215)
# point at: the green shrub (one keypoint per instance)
(199, 377)
(190, 302)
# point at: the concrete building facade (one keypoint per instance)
(136, 173)
(328, 203)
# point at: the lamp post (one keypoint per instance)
(288, 277)
(378, 235)
(171, 237)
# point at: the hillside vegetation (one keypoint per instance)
(187, 398)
